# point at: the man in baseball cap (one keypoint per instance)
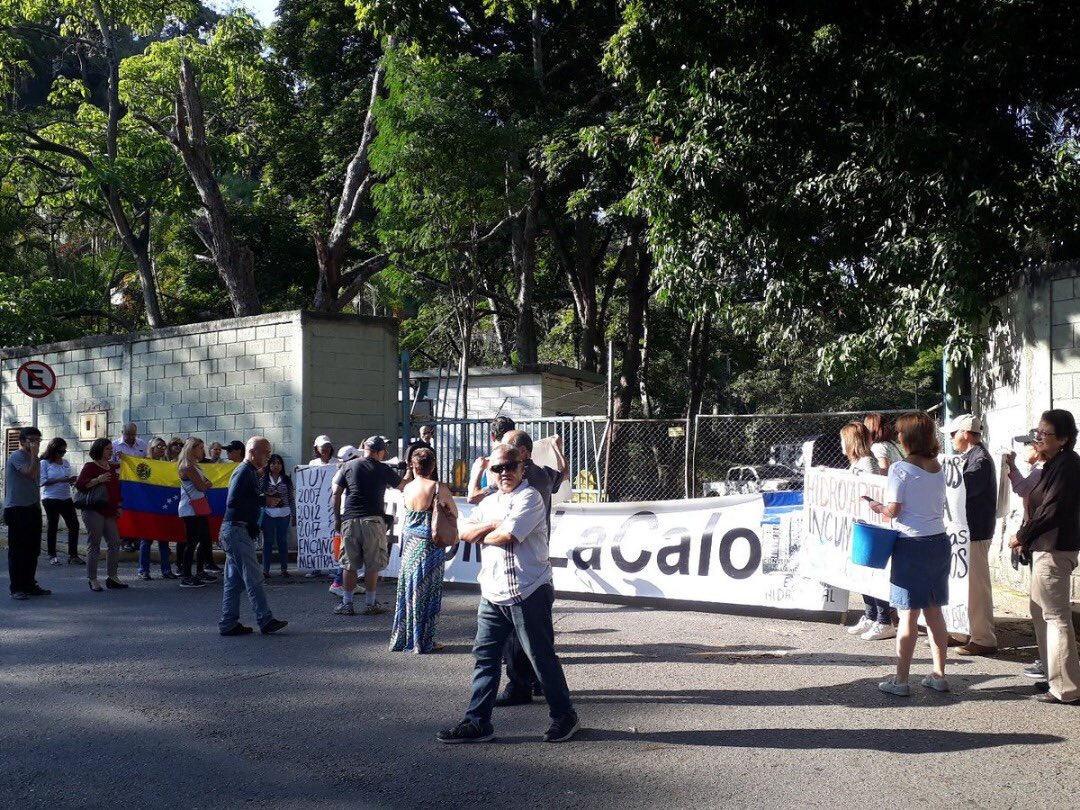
(236, 451)
(980, 483)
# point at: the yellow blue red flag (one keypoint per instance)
(150, 495)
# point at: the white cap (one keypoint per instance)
(964, 421)
(321, 440)
(348, 453)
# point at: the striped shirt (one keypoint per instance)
(510, 573)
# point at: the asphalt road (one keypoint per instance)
(132, 699)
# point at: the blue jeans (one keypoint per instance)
(144, 556)
(275, 532)
(531, 620)
(241, 572)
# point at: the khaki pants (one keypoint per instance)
(98, 527)
(980, 595)
(1051, 613)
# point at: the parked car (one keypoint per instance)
(749, 478)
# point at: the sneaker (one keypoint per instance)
(1041, 687)
(266, 575)
(345, 609)
(336, 589)
(192, 582)
(273, 626)
(878, 632)
(238, 630)
(562, 729)
(76, 560)
(375, 609)
(864, 624)
(893, 688)
(467, 731)
(511, 698)
(55, 561)
(286, 574)
(207, 577)
(313, 574)
(169, 575)
(937, 684)
(115, 584)
(37, 590)
(1036, 671)
(144, 575)
(19, 596)
(213, 567)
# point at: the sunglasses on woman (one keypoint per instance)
(509, 466)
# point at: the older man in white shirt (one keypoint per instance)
(517, 594)
(129, 444)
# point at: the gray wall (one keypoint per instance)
(288, 376)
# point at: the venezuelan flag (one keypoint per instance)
(150, 495)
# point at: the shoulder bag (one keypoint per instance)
(93, 498)
(444, 528)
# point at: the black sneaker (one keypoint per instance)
(76, 560)
(238, 630)
(145, 576)
(19, 596)
(115, 584)
(467, 731)
(510, 698)
(562, 729)
(213, 567)
(1035, 671)
(205, 577)
(285, 574)
(37, 590)
(1041, 687)
(169, 575)
(273, 626)
(192, 582)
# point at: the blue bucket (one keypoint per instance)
(871, 545)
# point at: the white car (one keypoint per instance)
(755, 478)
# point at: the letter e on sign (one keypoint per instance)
(35, 379)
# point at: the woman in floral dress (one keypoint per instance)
(420, 582)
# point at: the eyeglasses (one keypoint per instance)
(509, 466)
(1037, 434)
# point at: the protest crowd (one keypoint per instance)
(512, 503)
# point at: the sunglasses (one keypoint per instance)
(508, 467)
(1038, 434)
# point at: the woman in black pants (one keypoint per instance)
(56, 479)
(194, 509)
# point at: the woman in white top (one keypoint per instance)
(278, 514)
(876, 623)
(195, 511)
(55, 480)
(922, 557)
(883, 446)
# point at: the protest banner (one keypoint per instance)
(833, 501)
(703, 550)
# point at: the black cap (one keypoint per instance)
(375, 443)
(233, 446)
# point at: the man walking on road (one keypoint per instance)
(22, 514)
(363, 483)
(980, 484)
(240, 527)
(517, 594)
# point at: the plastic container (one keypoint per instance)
(871, 545)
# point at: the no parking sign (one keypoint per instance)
(36, 379)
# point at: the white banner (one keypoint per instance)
(703, 550)
(833, 501)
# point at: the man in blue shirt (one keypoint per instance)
(240, 527)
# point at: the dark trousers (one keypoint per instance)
(197, 529)
(24, 546)
(520, 676)
(56, 508)
(877, 610)
(530, 620)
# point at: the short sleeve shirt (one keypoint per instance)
(137, 448)
(365, 482)
(921, 495)
(20, 490)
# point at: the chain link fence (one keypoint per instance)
(656, 460)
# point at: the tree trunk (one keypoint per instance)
(696, 369)
(526, 237)
(235, 262)
(638, 271)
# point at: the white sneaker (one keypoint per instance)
(336, 589)
(878, 632)
(893, 688)
(937, 684)
(54, 561)
(864, 624)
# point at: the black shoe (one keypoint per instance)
(285, 573)
(169, 575)
(205, 577)
(238, 630)
(273, 626)
(563, 729)
(114, 584)
(192, 582)
(1049, 698)
(144, 576)
(266, 575)
(19, 596)
(1041, 687)
(508, 698)
(467, 731)
(37, 590)
(538, 690)
(76, 560)
(213, 567)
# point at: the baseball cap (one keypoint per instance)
(348, 453)
(233, 446)
(375, 443)
(964, 421)
(321, 440)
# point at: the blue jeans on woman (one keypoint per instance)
(163, 553)
(275, 531)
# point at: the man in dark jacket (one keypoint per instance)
(980, 484)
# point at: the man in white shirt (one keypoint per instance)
(517, 594)
(129, 444)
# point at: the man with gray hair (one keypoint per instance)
(239, 528)
(129, 444)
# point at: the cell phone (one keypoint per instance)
(866, 498)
